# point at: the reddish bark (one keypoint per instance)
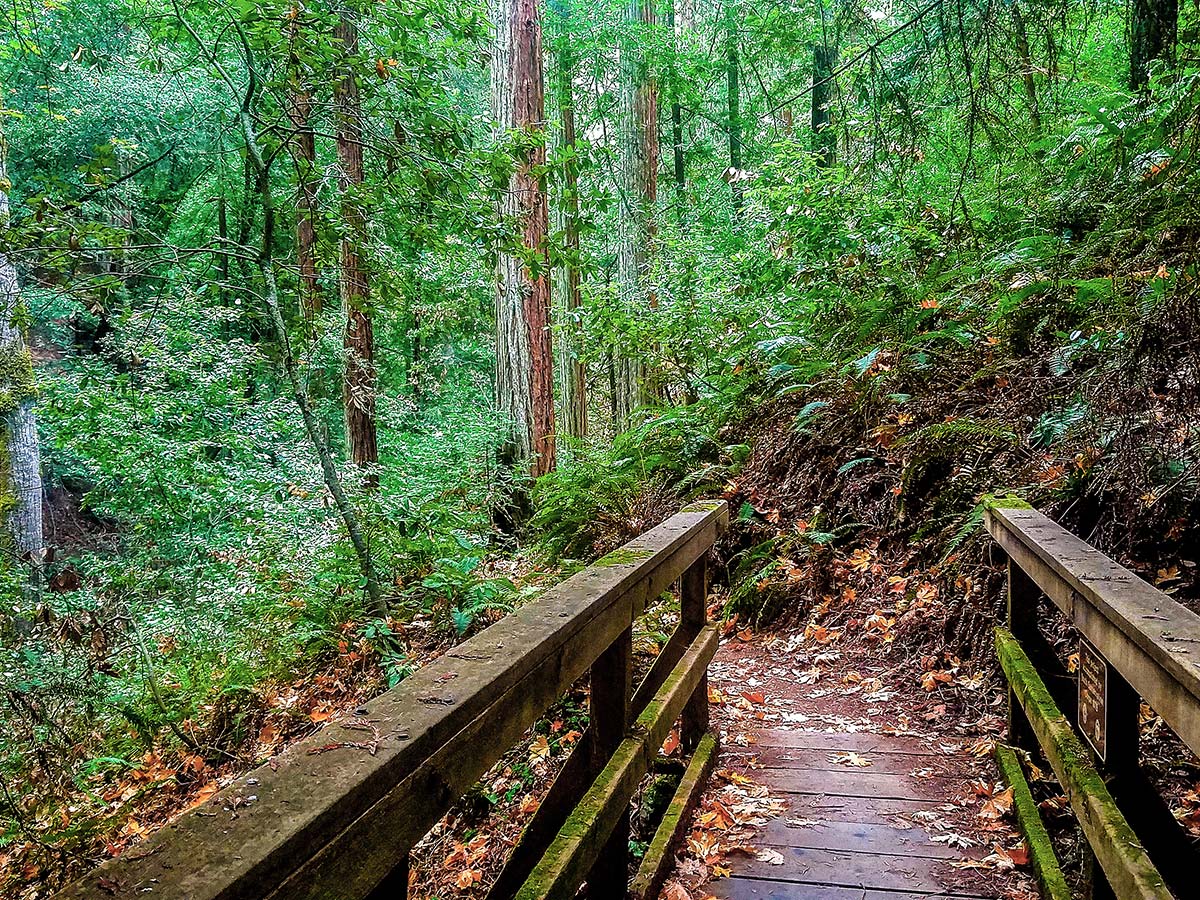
(359, 386)
(524, 352)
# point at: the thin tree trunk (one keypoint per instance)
(1153, 30)
(639, 200)
(303, 147)
(1026, 60)
(223, 240)
(17, 394)
(359, 386)
(573, 376)
(823, 135)
(524, 350)
(734, 104)
(678, 158)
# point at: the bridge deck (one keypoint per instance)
(849, 832)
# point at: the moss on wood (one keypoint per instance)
(1041, 851)
(17, 383)
(624, 557)
(658, 859)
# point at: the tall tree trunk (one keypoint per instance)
(679, 169)
(734, 104)
(1153, 29)
(639, 200)
(824, 137)
(572, 374)
(359, 387)
(17, 393)
(1026, 60)
(303, 146)
(524, 351)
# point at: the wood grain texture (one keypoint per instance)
(851, 832)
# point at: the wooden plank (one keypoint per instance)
(853, 870)
(769, 889)
(660, 857)
(584, 835)
(1051, 882)
(858, 783)
(1152, 640)
(830, 808)
(310, 799)
(856, 809)
(855, 837)
(808, 758)
(859, 741)
(1125, 862)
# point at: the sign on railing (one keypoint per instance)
(1135, 643)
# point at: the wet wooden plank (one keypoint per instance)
(826, 759)
(857, 809)
(1152, 640)
(857, 870)
(859, 783)
(859, 741)
(856, 837)
(766, 889)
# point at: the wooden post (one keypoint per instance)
(1023, 596)
(693, 615)
(612, 687)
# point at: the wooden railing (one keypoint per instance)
(339, 823)
(1135, 643)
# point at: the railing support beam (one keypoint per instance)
(612, 687)
(693, 616)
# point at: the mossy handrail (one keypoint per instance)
(1140, 643)
(321, 823)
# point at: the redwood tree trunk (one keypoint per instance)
(639, 199)
(524, 351)
(303, 147)
(17, 394)
(359, 387)
(573, 376)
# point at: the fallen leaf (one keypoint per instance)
(849, 759)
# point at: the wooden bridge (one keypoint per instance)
(339, 825)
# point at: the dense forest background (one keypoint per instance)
(330, 331)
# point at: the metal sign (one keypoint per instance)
(1093, 697)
